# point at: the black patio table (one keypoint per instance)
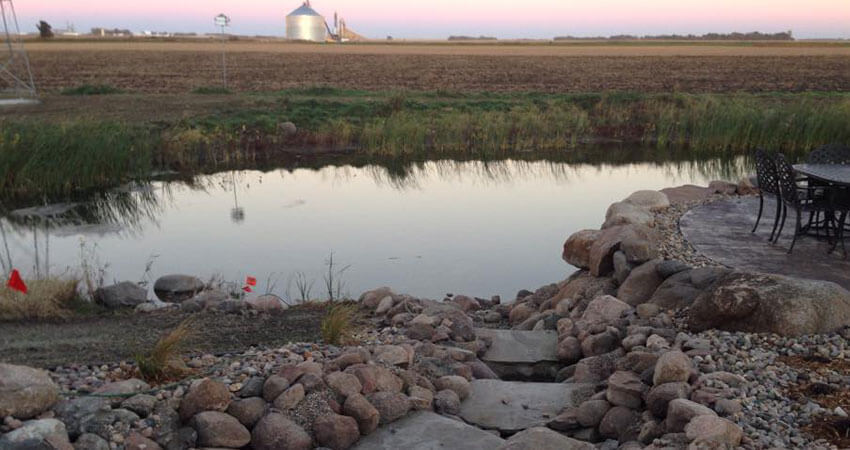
(836, 175)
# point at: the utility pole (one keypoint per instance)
(222, 21)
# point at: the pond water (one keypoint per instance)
(477, 228)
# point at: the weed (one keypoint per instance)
(339, 324)
(163, 362)
(333, 279)
(303, 286)
(92, 89)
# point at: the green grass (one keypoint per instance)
(92, 89)
(212, 90)
(44, 158)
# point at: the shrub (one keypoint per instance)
(339, 324)
(163, 362)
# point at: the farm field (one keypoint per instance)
(179, 67)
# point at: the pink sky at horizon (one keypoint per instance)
(440, 18)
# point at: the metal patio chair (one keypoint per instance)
(800, 199)
(768, 183)
(830, 154)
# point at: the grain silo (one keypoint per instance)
(305, 24)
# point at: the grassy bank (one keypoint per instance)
(62, 155)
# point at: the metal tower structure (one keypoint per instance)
(16, 82)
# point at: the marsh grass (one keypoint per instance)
(163, 362)
(92, 89)
(46, 299)
(49, 159)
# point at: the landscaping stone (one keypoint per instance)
(455, 383)
(515, 406)
(660, 396)
(605, 309)
(519, 347)
(591, 412)
(343, 384)
(687, 193)
(708, 431)
(267, 303)
(122, 295)
(247, 410)
(623, 213)
(672, 367)
(90, 441)
(391, 406)
(177, 288)
(141, 404)
(274, 386)
(136, 441)
(625, 389)
(577, 248)
(651, 200)
(620, 423)
(207, 395)
(25, 392)
(37, 434)
(367, 417)
(290, 398)
(335, 431)
(426, 430)
(447, 402)
(275, 431)
(681, 411)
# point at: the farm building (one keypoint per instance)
(305, 24)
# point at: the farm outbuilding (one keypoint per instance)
(305, 24)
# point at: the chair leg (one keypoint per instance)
(797, 231)
(761, 209)
(779, 207)
(781, 224)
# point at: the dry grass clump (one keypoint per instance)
(164, 362)
(46, 299)
(339, 324)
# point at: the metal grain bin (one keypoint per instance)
(305, 24)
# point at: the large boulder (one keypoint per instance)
(687, 193)
(577, 248)
(372, 298)
(707, 431)
(584, 287)
(207, 395)
(623, 213)
(121, 295)
(177, 288)
(267, 303)
(641, 284)
(25, 392)
(605, 309)
(638, 242)
(761, 303)
(335, 431)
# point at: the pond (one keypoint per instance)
(464, 227)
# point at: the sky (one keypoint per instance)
(441, 18)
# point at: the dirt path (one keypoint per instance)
(119, 337)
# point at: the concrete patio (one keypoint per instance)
(721, 230)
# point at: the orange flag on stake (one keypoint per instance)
(16, 282)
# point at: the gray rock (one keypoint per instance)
(620, 423)
(673, 366)
(105, 423)
(247, 410)
(625, 389)
(252, 387)
(121, 295)
(72, 412)
(25, 392)
(426, 430)
(217, 429)
(605, 309)
(543, 438)
(681, 411)
(37, 434)
(598, 344)
(641, 284)
(759, 303)
(660, 396)
(670, 267)
(390, 405)
(651, 200)
(141, 404)
(623, 213)
(622, 267)
(676, 292)
(90, 441)
(519, 347)
(591, 412)
(447, 402)
(639, 243)
(596, 368)
(177, 288)
(706, 431)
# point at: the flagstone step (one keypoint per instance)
(521, 355)
(512, 406)
(428, 431)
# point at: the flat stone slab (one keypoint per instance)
(520, 347)
(428, 431)
(721, 231)
(512, 406)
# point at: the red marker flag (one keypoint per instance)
(247, 289)
(16, 282)
(251, 281)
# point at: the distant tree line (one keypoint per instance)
(753, 36)
(472, 38)
(45, 31)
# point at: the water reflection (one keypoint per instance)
(427, 228)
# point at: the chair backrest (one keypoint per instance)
(830, 154)
(766, 172)
(787, 180)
